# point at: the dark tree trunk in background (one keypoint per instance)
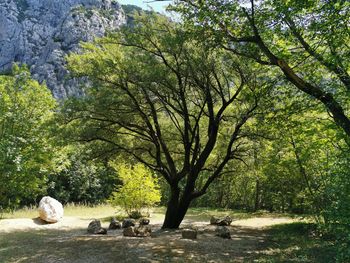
(283, 204)
(257, 196)
(221, 196)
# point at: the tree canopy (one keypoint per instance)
(306, 40)
(25, 147)
(170, 102)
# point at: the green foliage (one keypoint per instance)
(306, 40)
(296, 242)
(164, 98)
(79, 179)
(26, 154)
(235, 190)
(129, 9)
(337, 210)
(140, 189)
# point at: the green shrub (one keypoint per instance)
(140, 189)
(337, 209)
(135, 214)
(26, 149)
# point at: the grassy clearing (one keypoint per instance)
(204, 214)
(296, 242)
(106, 211)
(103, 212)
(99, 211)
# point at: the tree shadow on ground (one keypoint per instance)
(296, 242)
(76, 245)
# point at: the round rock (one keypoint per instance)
(143, 231)
(223, 232)
(128, 222)
(50, 210)
(95, 228)
(115, 224)
(129, 232)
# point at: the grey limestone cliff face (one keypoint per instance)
(41, 32)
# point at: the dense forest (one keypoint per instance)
(233, 104)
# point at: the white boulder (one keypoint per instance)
(50, 210)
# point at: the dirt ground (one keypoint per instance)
(29, 240)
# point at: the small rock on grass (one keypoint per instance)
(115, 224)
(142, 231)
(144, 221)
(189, 233)
(101, 231)
(128, 222)
(96, 229)
(223, 232)
(129, 232)
(226, 221)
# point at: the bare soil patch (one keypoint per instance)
(67, 241)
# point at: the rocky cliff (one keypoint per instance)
(41, 32)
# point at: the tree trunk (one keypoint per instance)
(332, 105)
(176, 210)
(257, 196)
(283, 204)
(221, 196)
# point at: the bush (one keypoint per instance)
(81, 180)
(140, 189)
(26, 149)
(337, 209)
(135, 214)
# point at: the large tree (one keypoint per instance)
(167, 101)
(25, 148)
(307, 40)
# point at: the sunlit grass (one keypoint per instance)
(106, 211)
(26, 212)
(102, 211)
(204, 214)
(98, 211)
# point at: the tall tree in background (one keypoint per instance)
(307, 40)
(25, 151)
(78, 176)
(169, 102)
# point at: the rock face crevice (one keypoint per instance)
(40, 33)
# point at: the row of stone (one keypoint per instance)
(225, 221)
(129, 223)
(50, 210)
(144, 230)
(221, 231)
